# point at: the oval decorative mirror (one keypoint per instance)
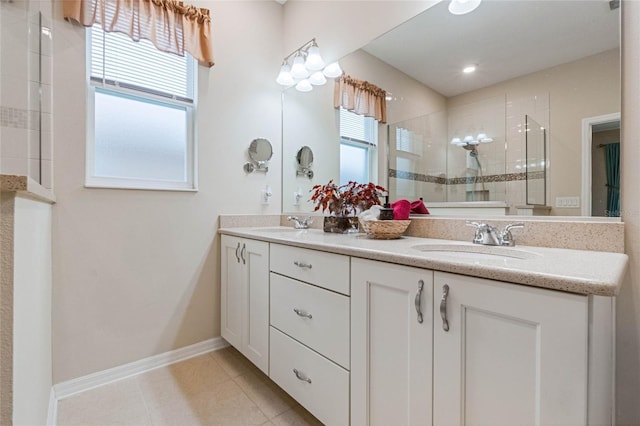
(304, 157)
(260, 152)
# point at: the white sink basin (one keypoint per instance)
(278, 230)
(476, 252)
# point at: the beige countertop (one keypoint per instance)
(575, 271)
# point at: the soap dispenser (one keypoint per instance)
(386, 212)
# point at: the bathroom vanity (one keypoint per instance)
(422, 331)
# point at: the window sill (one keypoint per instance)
(26, 186)
(131, 187)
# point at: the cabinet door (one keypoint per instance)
(512, 354)
(245, 298)
(231, 291)
(254, 256)
(391, 350)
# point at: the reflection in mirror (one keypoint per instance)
(536, 139)
(603, 135)
(260, 152)
(559, 75)
(304, 157)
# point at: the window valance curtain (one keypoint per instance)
(360, 97)
(170, 25)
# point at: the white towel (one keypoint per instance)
(372, 214)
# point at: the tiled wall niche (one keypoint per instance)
(26, 94)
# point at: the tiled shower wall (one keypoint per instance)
(438, 171)
(26, 95)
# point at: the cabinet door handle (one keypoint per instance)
(301, 376)
(443, 307)
(302, 264)
(237, 255)
(418, 300)
(242, 252)
(302, 313)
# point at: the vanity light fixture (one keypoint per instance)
(298, 69)
(460, 7)
(304, 86)
(317, 78)
(469, 140)
(307, 68)
(332, 70)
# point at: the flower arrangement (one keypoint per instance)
(345, 200)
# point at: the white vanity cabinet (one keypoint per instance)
(391, 345)
(309, 354)
(508, 354)
(245, 297)
(365, 342)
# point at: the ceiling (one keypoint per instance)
(503, 38)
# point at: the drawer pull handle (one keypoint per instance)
(443, 307)
(302, 313)
(418, 300)
(301, 376)
(237, 249)
(302, 264)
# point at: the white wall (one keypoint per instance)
(628, 302)
(341, 27)
(136, 273)
(31, 312)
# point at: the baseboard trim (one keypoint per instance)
(52, 412)
(71, 387)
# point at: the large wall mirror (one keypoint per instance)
(455, 137)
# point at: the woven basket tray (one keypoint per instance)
(385, 229)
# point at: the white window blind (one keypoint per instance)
(116, 61)
(141, 115)
(408, 141)
(358, 127)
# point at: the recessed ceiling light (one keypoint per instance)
(469, 69)
(460, 7)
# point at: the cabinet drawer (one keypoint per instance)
(326, 270)
(321, 321)
(325, 392)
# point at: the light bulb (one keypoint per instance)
(482, 137)
(332, 70)
(314, 61)
(304, 86)
(298, 69)
(285, 78)
(460, 7)
(456, 141)
(317, 79)
(468, 139)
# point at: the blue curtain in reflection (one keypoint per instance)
(612, 164)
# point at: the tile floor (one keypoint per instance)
(219, 388)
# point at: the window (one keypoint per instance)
(141, 131)
(358, 148)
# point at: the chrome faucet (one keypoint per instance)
(489, 236)
(300, 223)
(506, 238)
